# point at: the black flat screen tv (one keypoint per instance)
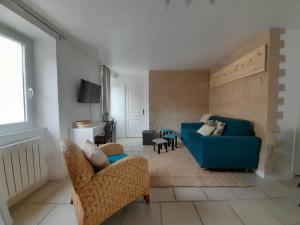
(89, 92)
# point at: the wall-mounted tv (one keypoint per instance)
(89, 92)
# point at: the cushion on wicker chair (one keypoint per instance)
(96, 157)
(114, 158)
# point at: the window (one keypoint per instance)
(12, 82)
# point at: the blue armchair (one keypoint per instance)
(237, 148)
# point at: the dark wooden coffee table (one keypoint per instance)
(160, 142)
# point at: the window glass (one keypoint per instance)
(12, 94)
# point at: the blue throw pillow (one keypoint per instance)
(115, 158)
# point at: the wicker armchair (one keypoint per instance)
(97, 196)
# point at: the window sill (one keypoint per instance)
(11, 138)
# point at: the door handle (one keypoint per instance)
(143, 112)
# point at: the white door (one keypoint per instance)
(135, 110)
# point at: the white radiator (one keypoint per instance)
(22, 165)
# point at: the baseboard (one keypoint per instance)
(281, 176)
(26, 192)
(58, 176)
(265, 175)
(11, 202)
(260, 173)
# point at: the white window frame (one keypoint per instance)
(27, 80)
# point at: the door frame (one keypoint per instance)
(146, 106)
(296, 145)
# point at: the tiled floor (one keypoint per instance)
(269, 202)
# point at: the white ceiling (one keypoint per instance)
(12, 20)
(137, 35)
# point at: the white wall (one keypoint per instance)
(289, 137)
(46, 102)
(118, 97)
(74, 64)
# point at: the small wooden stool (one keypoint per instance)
(164, 132)
(172, 139)
(160, 142)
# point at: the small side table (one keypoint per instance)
(172, 139)
(164, 132)
(160, 142)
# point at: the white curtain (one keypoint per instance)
(105, 81)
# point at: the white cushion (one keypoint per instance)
(206, 130)
(219, 128)
(96, 157)
(205, 117)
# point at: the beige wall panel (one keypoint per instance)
(256, 97)
(250, 64)
(177, 96)
(244, 98)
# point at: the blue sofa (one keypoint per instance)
(237, 148)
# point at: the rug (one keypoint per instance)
(179, 168)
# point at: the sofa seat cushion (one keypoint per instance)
(115, 158)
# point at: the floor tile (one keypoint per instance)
(189, 194)
(287, 211)
(139, 199)
(62, 194)
(252, 213)
(44, 192)
(179, 213)
(249, 193)
(294, 196)
(61, 215)
(216, 213)
(31, 213)
(115, 219)
(132, 153)
(291, 183)
(251, 178)
(142, 213)
(220, 193)
(161, 195)
(273, 188)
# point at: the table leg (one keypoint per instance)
(166, 147)
(154, 147)
(159, 147)
(172, 144)
(176, 142)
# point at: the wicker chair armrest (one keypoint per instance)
(114, 187)
(111, 149)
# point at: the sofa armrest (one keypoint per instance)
(111, 149)
(191, 125)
